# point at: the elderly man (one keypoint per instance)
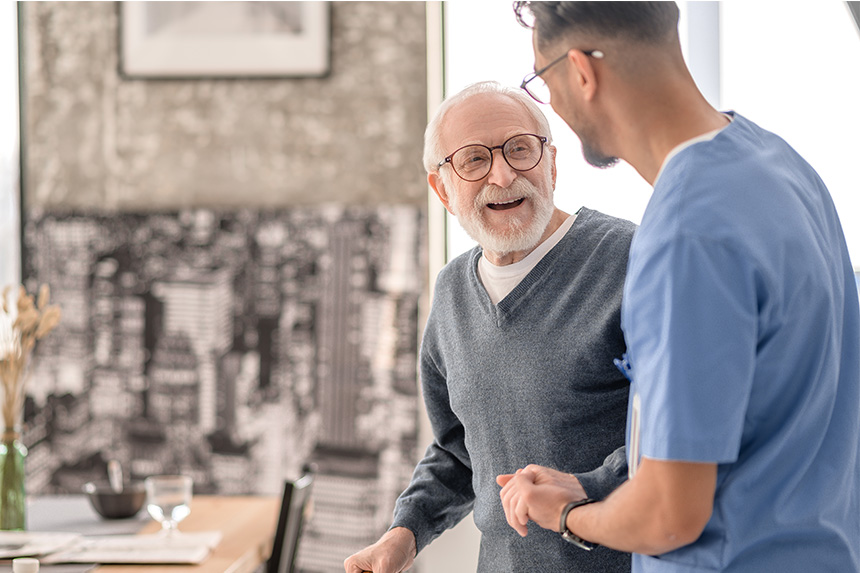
(740, 315)
(516, 359)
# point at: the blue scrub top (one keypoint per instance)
(741, 319)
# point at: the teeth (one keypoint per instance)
(506, 202)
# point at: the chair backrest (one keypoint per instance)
(290, 522)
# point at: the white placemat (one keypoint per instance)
(188, 548)
(30, 543)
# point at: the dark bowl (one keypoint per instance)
(116, 505)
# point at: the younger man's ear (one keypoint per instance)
(585, 78)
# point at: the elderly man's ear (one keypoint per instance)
(435, 181)
(552, 151)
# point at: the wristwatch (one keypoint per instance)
(567, 534)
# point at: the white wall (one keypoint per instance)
(10, 256)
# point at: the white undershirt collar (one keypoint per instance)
(500, 280)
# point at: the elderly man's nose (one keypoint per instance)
(501, 173)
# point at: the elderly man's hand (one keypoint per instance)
(393, 553)
(538, 494)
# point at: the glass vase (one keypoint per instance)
(12, 477)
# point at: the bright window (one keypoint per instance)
(793, 68)
(9, 229)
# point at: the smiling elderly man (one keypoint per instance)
(516, 360)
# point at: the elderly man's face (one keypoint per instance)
(506, 211)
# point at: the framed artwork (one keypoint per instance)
(238, 347)
(224, 39)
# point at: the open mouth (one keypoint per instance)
(504, 205)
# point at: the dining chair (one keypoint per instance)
(294, 505)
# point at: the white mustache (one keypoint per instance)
(519, 188)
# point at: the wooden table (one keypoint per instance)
(248, 527)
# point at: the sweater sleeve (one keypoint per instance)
(600, 482)
(440, 493)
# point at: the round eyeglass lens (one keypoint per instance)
(538, 89)
(522, 152)
(472, 162)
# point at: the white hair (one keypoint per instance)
(433, 152)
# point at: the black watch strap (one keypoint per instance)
(567, 534)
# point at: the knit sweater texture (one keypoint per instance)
(529, 380)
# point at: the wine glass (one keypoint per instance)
(168, 500)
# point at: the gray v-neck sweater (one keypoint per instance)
(529, 380)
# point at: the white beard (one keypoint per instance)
(521, 234)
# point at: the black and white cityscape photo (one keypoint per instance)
(237, 347)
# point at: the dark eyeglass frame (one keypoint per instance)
(543, 142)
(596, 54)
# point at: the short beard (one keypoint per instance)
(595, 158)
(521, 235)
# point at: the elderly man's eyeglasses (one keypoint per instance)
(534, 85)
(473, 162)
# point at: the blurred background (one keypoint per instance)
(228, 202)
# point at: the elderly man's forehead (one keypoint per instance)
(497, 102)
(489, 111)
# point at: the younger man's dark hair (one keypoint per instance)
(645, 22)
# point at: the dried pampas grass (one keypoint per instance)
(21, 326)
